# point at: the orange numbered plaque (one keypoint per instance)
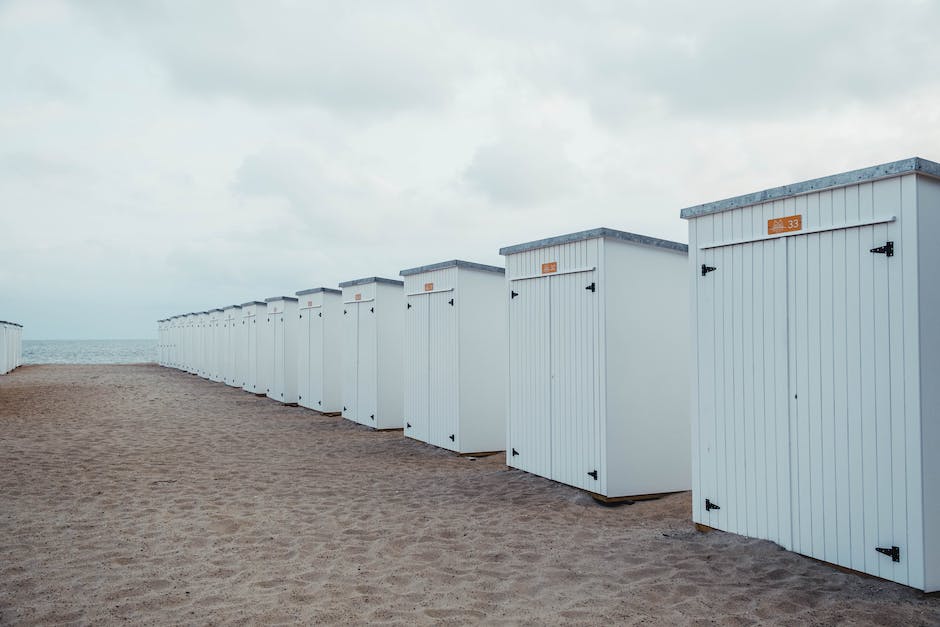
(428, 287)
(357, 297)
(548, 268)
(775, 226)
(309, 303)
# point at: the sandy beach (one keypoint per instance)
(144, 495)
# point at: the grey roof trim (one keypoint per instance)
(317, 290)
(371, 279)
(277, 298)
(252, 302)
(602, 232)
(453, 263)
(215, 310)
(873, 173)
(232, 307)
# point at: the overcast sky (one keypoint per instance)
(163, 157)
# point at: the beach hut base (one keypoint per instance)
(481, 454)
(625, 500)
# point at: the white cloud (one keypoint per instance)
(164, 157)
(523, 170)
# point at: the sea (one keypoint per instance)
(89, 351)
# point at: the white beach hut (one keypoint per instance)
(282, 320)
(815, 418)
(160, 342)
(232, 326)
(319, 349)
(241, 348)
(373, 310)
(597, 346)
(6, 342)
(11, 346)
(193, 323)
(6, 347)
(254, 314)
(182, 339)
(204, 324)
(17, 356)
(217, 345)
(454, 356)
(169, 328)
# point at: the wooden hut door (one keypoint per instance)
(849, 434)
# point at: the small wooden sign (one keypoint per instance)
(548, 268)
(357, 297)
(775, 226)
(428, 287)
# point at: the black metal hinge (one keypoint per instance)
(451, 437)
(344, 408)
(707, 269)
(301, 316)
(593, 475)
(513, 294)
(320, 315)
(710, 506)
(408, 306)
(514, 452)
(319, 403)
(887, 250)
(372, 416)
(372, 309)
(592, 287)
(451, 302)
(894, 552)
(345, 312)
(407, 425)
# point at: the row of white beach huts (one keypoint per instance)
(11, 346)
(786, 365)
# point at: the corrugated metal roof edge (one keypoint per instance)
(276, 298)
(458, 263)
(252, 302)
(371, 279)
(873, 173)
(602, 232)
(317, 290)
